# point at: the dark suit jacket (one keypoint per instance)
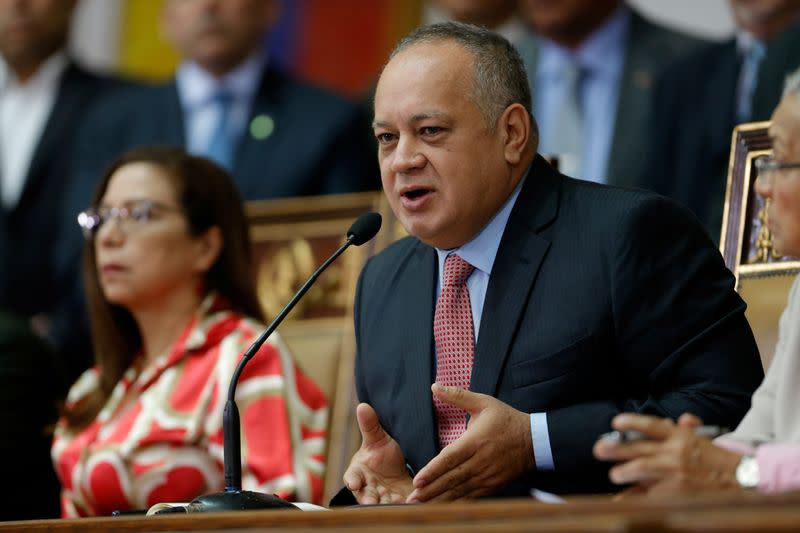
(317, 146)
(30, 386)
(30, 281)
(601, 300)
(694, 113)
(650, 49)
(28, 286)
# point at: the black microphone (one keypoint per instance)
(233, 497)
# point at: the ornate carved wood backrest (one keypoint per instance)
(291, 238)
(763, 276)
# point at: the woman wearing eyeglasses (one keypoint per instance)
(763, 452)
(172, 308)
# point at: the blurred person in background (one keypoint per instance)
(763, 452)
(500, 16)
(44, 96)
(277, 136)
(30, 386)
(591, 67)
(700, 99)
(172, 307)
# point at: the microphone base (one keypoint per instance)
(238, 500)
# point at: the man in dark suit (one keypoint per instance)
(620, 55)
(700, 99)
(282, 137)
(44, 96)
(539, 306)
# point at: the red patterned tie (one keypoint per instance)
(455, 345)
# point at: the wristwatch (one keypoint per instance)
(747, 472)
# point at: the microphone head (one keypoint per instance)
(364, 228)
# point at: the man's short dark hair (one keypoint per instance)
(500, 78)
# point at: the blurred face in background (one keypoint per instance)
(217, 34)
(764, 19)
(567, 22)
(782, 186)
(32, 30)
(147, 255)
(487, 13)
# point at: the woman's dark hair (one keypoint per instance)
(208, 197)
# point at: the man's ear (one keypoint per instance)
(208, 248)
(515, 123)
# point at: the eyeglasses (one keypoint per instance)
(130, 217)
(767, 167)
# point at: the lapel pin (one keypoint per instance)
(261, 127)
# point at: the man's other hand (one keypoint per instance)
(495, 449)
(377, 472)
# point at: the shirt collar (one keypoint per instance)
(196, 86)
(481, 251)
(48, 73)
(601, 52)
(745, 41)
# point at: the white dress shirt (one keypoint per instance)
(24, 110)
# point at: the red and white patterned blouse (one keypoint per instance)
(159, 436)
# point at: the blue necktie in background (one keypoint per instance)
(567, 134)
(748, 79)
(221, 143)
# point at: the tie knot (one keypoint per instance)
(456, 270)
(222, 97)
(572, 72)
(755, 52)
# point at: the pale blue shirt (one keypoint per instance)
(602, 58)
(481, 252)
(196, 90)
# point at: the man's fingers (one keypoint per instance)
(688, 420)
(452, 479)
(471, 402)
(369, 425)
(353, 480)
(652, 426)
(453, 455)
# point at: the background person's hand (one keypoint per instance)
(377, 472)
(495, 449)
(673, 460)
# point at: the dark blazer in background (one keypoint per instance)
(650, 49)
(601, 300)
(694, 113)
(30, 283)
(30, 385)
(317, 145)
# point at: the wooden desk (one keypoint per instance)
(737, 513)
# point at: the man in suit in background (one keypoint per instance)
(539, 306)
(591, 67)
(500, 16)
(700, 99)
(279, 137)
(44, 96)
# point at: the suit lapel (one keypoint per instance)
(254, 146)
(66, 102)
(519, 257)
(718, 89)
(172, 116)
(420, 357)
